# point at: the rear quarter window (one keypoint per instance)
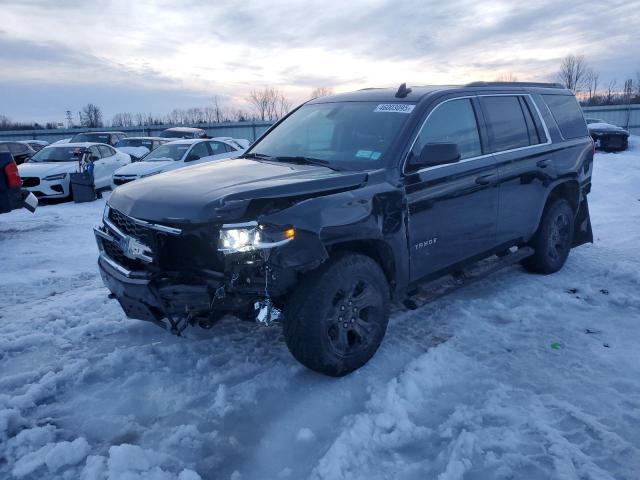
(567, 114)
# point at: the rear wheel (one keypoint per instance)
(336, 319)
(552, 242)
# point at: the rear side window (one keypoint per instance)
(567, 114)
(451, 122)
(508, 124)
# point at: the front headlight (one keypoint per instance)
(247, 237)
(57, 176)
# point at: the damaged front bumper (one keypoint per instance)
(173, 298)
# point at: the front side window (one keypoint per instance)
(453, 121)
(217, 148)
(344, 135)
(200, 150)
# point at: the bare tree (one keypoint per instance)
(506, 77)
(573, 71)
(591, 83)
(269, 104)
(5, 122)
(91, 116)
(124, 119)
(321, 92)
(611, 91)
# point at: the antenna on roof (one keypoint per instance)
(403, 91)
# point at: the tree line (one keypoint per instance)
(268, 104)
(576, 75)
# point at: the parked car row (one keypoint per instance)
(178, 154)
(47, 173)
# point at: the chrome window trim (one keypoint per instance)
(478, 157)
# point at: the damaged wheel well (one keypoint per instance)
(569, 190)
(378, 250)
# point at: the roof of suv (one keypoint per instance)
(417, 93)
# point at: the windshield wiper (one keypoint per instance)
(306, 160)
(261, 156)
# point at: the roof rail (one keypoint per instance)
(514, 84)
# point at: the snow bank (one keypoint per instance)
(517, 376)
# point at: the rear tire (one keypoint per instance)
(336, 319)
(553, 239)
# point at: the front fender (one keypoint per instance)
(370, 213)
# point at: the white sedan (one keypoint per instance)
(46, 174)
(181, 153)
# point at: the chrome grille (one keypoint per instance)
(127, 226)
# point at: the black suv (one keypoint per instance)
(349, 202)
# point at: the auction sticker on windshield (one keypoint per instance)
(395, 108)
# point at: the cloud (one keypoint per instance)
(230, 47)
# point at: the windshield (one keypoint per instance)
(134, 142)
(351, 135)
(57, 154)
(91, 137)
(173, 151)
(180, 134)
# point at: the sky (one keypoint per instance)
(153, 56)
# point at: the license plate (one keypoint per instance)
(30, 202)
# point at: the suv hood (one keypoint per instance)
(44, 169)
(222, 190)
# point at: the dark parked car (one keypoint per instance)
(12, 195)
(606, 136)
(349, 202)
(21, 152)
(37, 145)
(184, 132)
(110, 138)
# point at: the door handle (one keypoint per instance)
(485, 179)
(543, 163)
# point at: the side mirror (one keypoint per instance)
(192, 157)
(433, 154)
(94, 158)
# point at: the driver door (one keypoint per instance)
(103, 168)
(453, 208)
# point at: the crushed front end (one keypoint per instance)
(182, 274)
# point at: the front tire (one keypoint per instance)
(552, 242)
(336, 319)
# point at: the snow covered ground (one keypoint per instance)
(518, 376)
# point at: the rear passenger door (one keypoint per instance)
(453, 209)
(520, 143)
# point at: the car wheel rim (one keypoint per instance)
(353, 319)
(560, 234)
